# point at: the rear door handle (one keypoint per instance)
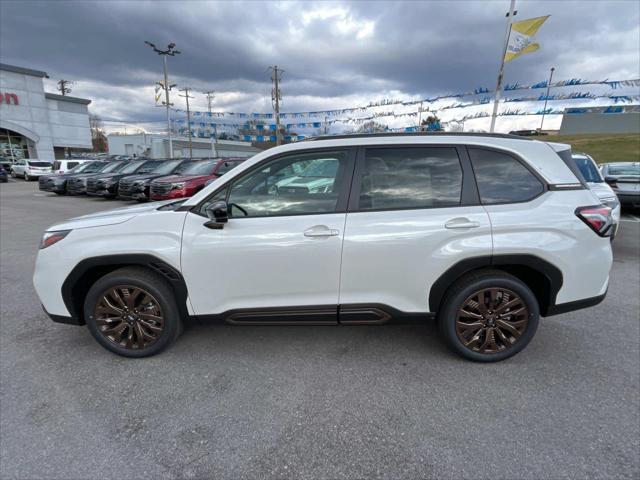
(320, 231)
(461, 222)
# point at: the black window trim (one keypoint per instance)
(343, 196)
(468, 193)
(545, 185)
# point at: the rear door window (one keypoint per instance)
(501, 178)
(412, 177)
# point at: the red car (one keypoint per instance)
(193, 179)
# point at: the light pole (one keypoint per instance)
(546, 98)
(169, 51)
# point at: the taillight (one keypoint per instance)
(598, 218)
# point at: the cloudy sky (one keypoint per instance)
(335, 54)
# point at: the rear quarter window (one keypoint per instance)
(501, 178)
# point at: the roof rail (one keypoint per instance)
(416, 134)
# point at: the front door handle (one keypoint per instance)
(320, 231)
(461, 222)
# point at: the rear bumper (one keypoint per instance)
(576, 305)
(63, 319)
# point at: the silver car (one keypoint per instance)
(624, 179)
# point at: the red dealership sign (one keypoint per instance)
(9, 98)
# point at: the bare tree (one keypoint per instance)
(98, 137)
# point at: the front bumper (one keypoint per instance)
(53, 187)
(76, 190)
(133, 194)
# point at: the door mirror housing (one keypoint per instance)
(218, 215)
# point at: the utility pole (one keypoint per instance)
(187, 97)
(546, 97)
(64, 86)
(170, 51)
(510, 16)
(325, 125)
(276, 96)
(420, 117)
(210, 96)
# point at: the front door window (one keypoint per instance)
(299, 184)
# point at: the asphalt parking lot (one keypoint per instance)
(311, 402)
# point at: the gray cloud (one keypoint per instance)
(332, 53)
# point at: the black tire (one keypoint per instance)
(152, 283)
(462, 290)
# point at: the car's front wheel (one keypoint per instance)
(488, 316)
(132, 312)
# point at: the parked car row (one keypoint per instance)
(139, 180)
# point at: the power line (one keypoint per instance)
(276, 97)
(187, 97)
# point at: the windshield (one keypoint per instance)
(167, 166)
(184, 166)
(112, 167)
(587, 168)
(226, 166)
(321, 168)
(149, 166)
(39, 164)
(631, 169)
(200, 168)
(131, 167)
(85, 167)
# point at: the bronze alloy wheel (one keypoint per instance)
(491, 320)
(129, 316)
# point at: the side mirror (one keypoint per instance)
(218, 215)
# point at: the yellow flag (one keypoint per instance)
(521, 37)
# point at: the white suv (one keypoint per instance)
(484, 232)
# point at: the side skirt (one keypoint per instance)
(351, 314)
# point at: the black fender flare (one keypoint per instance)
(80, 279)
(508, 263)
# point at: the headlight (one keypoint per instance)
(49, 238)
(611, 202)
(178, 186)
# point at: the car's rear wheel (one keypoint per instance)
(132, 312)
(488, 316)
(26, 177)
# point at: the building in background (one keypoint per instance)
(37, 124)
(157, 146)
(611, 119)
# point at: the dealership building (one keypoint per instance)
(157, 146)
(37, 124)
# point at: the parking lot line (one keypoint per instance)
(627, 217)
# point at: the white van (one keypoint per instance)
(66, 164)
